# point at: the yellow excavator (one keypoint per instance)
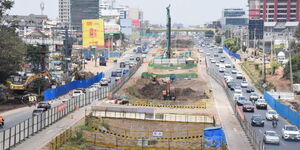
(22, 86)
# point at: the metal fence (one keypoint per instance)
(21, 131)
(251, 134)
(169, 61)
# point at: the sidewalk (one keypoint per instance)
(235, 135)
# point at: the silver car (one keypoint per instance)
(271, 137)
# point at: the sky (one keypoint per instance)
(188, 12)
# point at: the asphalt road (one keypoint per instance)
(284, 145)
(18, 117)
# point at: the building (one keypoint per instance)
(30, 21)
(83, 9)
(275, 10)
(64, 12)
(234, 16)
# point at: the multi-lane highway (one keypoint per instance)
(19, 116)
(288, 145)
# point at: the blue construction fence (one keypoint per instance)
(283, 110)
(64, 89)
(237, 56)
(112, 54)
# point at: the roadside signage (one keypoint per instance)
(157, 134)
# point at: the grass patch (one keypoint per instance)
(182, 75)
(172, 67)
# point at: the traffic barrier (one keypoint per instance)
(237, 56)
(203, 106)
(134, 137)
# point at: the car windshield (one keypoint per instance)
(261, 101)
(77, 92)
(247, 103)
(291, 128)
(271, 134)
(272, 112)
(242, 98)
(37, 111)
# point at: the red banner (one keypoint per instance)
(136, 23)
(254, 13)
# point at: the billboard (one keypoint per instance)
(136, 23)
(112, 28)
(254, 13)
(93, 32)
(126, 26)
(256, 29)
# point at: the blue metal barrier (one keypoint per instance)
(231, 53)
(283, 110)
(62, 90)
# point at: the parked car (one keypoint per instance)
(44, 105)
(253, 97)
(241, 100)
(261, 104)
(257, 120)
(271, 137)
(38, 111)
(244, 84)
(290, 132)
(271, 114)
(248, 107)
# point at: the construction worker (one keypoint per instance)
(1, 121)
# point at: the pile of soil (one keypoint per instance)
(152, 91)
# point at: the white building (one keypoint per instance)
(64, 11)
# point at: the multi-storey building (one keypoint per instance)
(64, 12)
(275, 10)
(234, 16)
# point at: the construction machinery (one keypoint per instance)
(169, 93)
(16, 82)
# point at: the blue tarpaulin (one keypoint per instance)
(237, 56)
(214, 137)
(283, 110)
(64, 89)
(111, 54)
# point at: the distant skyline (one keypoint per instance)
(187, 12)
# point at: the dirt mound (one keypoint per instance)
(152, 91)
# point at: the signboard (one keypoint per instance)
(126, 26)
(110, 28)
(136, 23)
(254, 13)
(93, 32)
(110, 12)
(157, 134)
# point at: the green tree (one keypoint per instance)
(232, 44)
(274, 65)
(12, 48)
(209, 33)
(34, 56)
(218, 39)
(295, 68)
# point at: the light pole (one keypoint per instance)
(290, 58)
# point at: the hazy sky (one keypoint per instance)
(188, 12)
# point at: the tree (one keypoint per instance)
(232, 44)
(12, 51)
(274, 65)
(218, 39)
(209, 33)
(295, 67)
(11, 46)
(34, 56)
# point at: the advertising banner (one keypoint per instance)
(111, 28)
(126, 26)
(136, 23)
(93, 32)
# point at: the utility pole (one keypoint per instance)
(264, 59)
(241, 38)
(290, 60)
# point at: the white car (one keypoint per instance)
(221, 69)
(213, 61)
(290, 132)
(77, 93)
(218, 64)
(270, 114)
(239, 75)
(238, 89)
(233, 71)
(271, 137)
(244, 84)
(236, 96)
(228, 65)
